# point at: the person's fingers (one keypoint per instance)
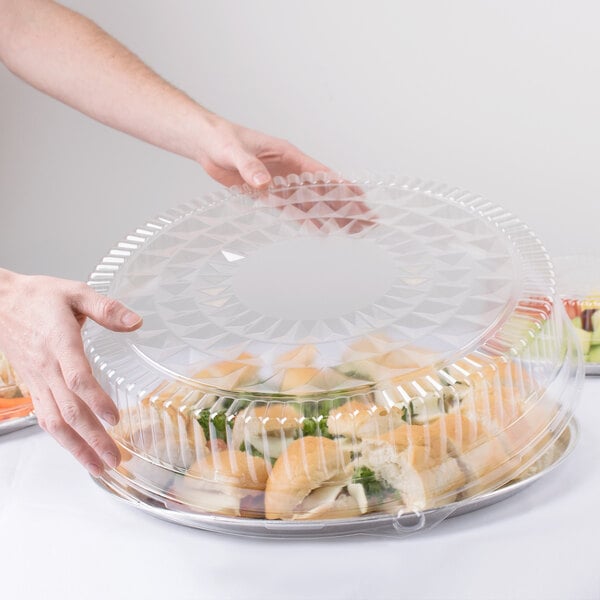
(51, 420)
(78, 377)
(108, 312)
(78, 416)
(252, 170)
(292, 160)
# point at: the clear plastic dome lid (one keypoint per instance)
(314, 327)
(310, 290)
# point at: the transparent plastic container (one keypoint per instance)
(328, 358)
(16, 408)
(579, 285)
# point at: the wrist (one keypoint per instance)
(209, 133)
(201, 131)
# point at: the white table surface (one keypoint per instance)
(62, 537)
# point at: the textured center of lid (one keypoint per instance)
(314, 277)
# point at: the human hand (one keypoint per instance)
(233, 155)
(40, 322)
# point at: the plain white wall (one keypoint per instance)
(498, 97)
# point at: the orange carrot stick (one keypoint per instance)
(7, 403)
(15, 413)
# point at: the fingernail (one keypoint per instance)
(260, 178)
(110, 419)
(110, 459)
(129, 319)
(94, 469)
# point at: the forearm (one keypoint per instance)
(70, 58)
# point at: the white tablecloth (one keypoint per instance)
(62, 537)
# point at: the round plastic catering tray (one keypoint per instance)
(326, 351)
(375, 524)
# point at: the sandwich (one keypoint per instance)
(267, 430)
(229, 482)
(166, 426)
(309, 481)
(414, 467)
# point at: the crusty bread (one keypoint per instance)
(423, 478)
(405, 435)
(308, 463)
(478, 450)
(516, 431)
(276, 418)
(374, 358)
(301, 356)
(232, 468)
(296, 378)
(409, 361)
(428, 481)
(359, 419)
(497, 370)
(368, 347)
(424, 458)
(458, 432)
(162, 426)
(431, 481)
(494, 407)
(230, 374)
(361, 359)
(219, 482)
(381, 423)
(348, 418)
(296, 372)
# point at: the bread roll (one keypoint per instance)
(272, 424)
(308, 464)
(348, 418)
(219, 482)
(518, 430)
(422, 477)
(302, 356)
(405, 436)
(438, 449)
(232, 469)
(269, 418)
(230, 374)
(478, 450)
(162, 426)
(296, 378)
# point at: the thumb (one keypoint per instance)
(252, 170)
(108, 312)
